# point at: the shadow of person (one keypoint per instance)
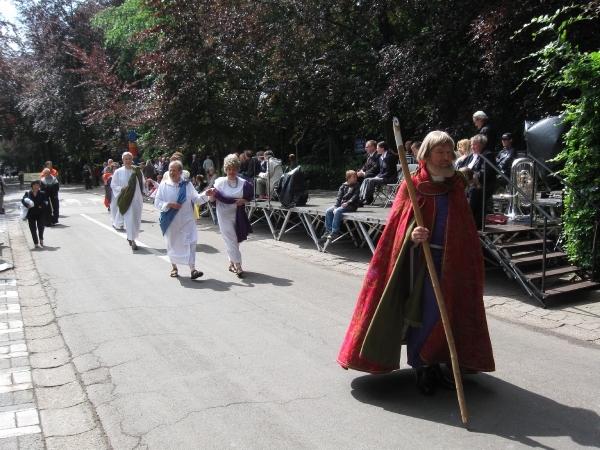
(204, 283)
(495, 408)
(251, 279)
(208, 249)
(48, 248)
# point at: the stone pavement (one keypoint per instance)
(42, 402)
(19, 419)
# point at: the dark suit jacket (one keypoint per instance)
(489, 174)
(371, 167)
(254, 168)
(388, 169)
(490, 134)
(195, 167)
(505, 159)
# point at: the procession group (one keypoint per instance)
(397, 303)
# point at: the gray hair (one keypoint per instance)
(232, 161)
(432, 140)
(126, 154)
(177, 164)
(481, 139)
(480, 115)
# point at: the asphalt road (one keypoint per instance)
(227, 363)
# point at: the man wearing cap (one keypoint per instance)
(505, 158)
(481, 121)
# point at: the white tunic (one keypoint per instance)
(133, 216)
(226, 216)
(181, 236)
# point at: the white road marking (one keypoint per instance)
(124, 236)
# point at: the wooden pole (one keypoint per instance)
(432, 273)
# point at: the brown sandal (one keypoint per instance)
(232, 268)
(195, 274)
(239, 272)
(174, 273)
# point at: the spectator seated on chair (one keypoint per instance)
(463, 148)
(212, 177)
(346, 201)
(388, 173)
(371, 166)
(252, 167)
(265, 183)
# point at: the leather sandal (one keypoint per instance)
(232, 268)
(239, 272)
(174, 273)
(134, 246)
(195, 274)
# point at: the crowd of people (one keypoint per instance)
(380, 167)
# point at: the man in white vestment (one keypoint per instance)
(177, 218)
(121, 186)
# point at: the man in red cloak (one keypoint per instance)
(397, 304)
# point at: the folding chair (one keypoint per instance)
(389, 191)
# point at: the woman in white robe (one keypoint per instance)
(230, 186)
(133, 215)
(181, 236)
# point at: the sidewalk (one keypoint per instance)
(43, 405)
(19, 419)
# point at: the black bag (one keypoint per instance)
(292, 189)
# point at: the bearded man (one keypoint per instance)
(397, 304)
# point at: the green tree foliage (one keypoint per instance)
(566, 67)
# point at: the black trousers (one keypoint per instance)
(88, 183)
(36, 226)
(55, 204)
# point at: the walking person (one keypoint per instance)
(117, 220)
(87, 177)
(127, 186)
(50, 186)
(231, 194)
(397, 303)
(36, 202)
(175, 200)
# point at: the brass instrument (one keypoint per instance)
(521, 174)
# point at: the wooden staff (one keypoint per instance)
(432, 273)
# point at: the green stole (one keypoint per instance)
(125, 198)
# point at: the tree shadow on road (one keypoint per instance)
(495, 407)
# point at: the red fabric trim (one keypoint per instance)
(462, 283)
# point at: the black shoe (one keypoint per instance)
(361, 203)
(442, 381)
(333, 236)
(326, 234)
(425, 382)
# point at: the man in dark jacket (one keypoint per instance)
(388, 173)
(505, 158)
(195, 167)
(482, 122)
(371, 167)
(253, 168)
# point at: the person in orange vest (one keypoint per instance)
(48, 165)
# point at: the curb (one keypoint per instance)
(67, 419)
